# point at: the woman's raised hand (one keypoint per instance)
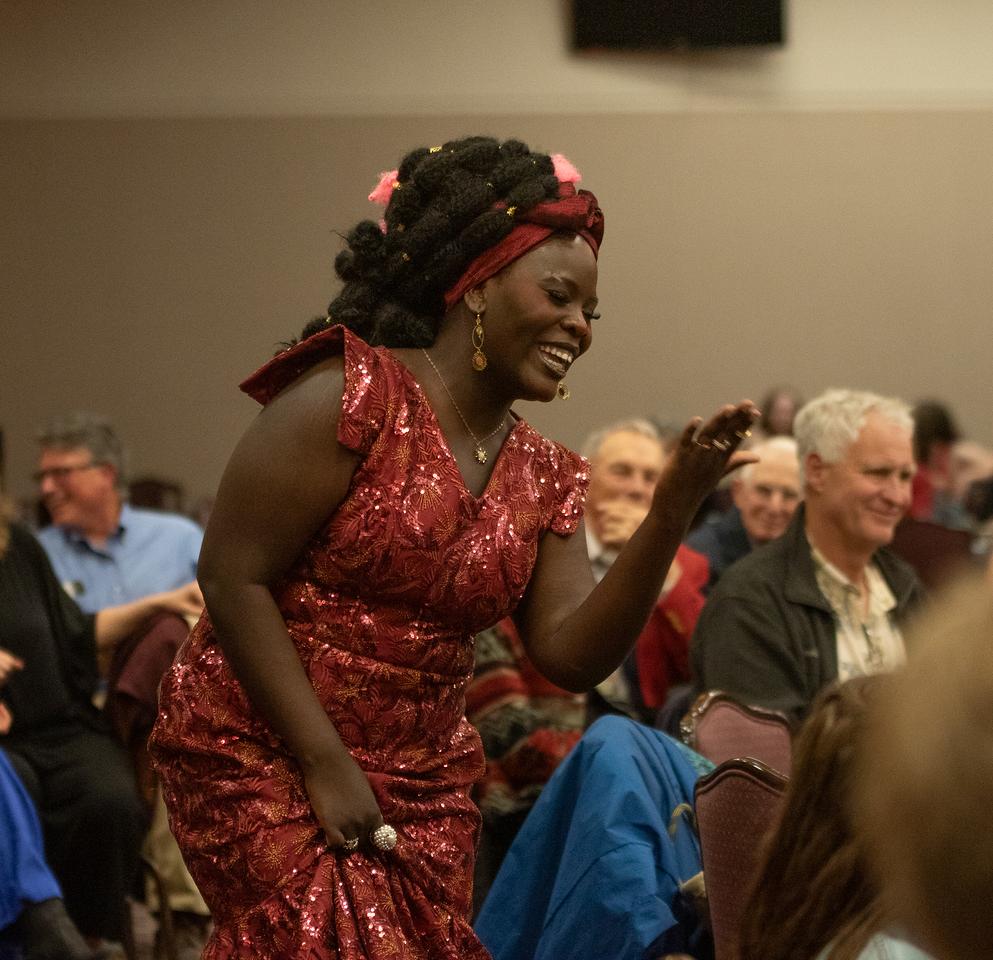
(704, 453)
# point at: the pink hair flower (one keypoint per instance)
(565, 172)
(384, 189)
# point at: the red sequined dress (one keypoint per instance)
(382, 606)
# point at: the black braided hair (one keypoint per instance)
(439, 219)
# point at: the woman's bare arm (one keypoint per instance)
(284, 479)
(577, 634)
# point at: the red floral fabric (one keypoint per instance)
(382, 607)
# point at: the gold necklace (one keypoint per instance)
(480, 453)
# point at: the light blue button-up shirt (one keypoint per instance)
(149, 552)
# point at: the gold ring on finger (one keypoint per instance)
(742, 434)
(705, 445)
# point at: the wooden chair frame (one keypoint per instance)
(705, 702)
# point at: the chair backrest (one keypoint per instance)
(720, 728)
(736, 808)
(936, 553)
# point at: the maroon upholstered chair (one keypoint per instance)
(737, 806)
(936, 553)
(720, 728)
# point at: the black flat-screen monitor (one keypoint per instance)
(666, 24)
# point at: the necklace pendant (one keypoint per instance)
(481, 455)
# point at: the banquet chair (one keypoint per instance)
(720, 728)
(736, 807)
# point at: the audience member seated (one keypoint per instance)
(972, 487)
(826, 600)
(814, 895)
(626, 460)
(935, 435)
(527, 725)
(926, 784)
(77, 774)
(970, 462)
(595, 871)
(765, 495)
(105, 552)
(779, 408)
(33, 919)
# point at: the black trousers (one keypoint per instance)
(83, 786)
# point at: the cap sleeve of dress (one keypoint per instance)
(572, 478)
(363, 404)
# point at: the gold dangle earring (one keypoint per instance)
(478, 358)
(563, 391)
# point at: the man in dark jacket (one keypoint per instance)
(826, 600)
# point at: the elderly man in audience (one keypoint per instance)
(106, 552)
(626, 459)
(826, 600)
(765, 495)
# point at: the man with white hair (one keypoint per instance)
(826, 600)
(765, 495)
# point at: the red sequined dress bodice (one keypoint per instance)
(382, 606)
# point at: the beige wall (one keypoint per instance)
(390, 57)
(819, 214)
(151, 264)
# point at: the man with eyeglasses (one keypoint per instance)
(106, 552)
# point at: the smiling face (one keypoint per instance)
(626, 466)
(767, 495)
(76, 491)
(537, 314)
(865, 494)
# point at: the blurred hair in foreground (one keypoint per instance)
(926, 784)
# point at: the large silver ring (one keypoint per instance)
(384, 837)
(349, 845)
(721, 445)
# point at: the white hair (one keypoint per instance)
(593, 442)
(830, 423)
(786, 446)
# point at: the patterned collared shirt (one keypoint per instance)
(868, 639)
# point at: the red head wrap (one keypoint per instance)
(573, 211)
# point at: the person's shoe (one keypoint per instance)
(47, 932)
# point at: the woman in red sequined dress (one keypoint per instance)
(385, 506)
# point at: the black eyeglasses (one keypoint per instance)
(60, 473)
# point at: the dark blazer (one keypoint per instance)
(767, 635)
(722, 540)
